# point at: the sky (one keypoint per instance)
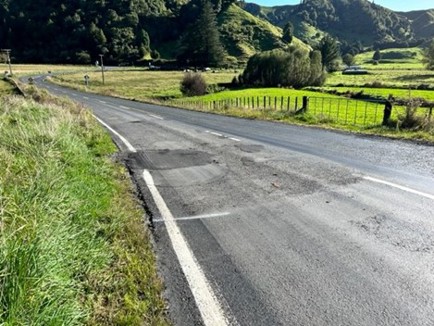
(396, 5)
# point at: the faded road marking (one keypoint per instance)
(198, 217)
(394, 185)
(156, 116)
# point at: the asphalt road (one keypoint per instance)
(289, 225)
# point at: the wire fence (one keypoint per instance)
(343, 111)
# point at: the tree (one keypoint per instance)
(288, 31)
(348, 59)
(377, 55)
(330, 53)
(429, 56)
(202, 41)
(295, 68)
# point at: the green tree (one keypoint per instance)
(288, 32)
(296, 68)
(317, 74)
(377, 55)
(329, 52)
(429, 56)
(202, 41)
(348, 59)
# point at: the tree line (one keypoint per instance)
(124, 31)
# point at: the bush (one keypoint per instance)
(277, 68)
(410, 119)
(193, 84)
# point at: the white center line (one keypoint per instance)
(394, 185)
(210, 309)
(156, 116)
(85, 97)
(102, 102)
(124, 107)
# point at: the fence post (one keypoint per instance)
(387, 113)
(366, 113)
(288, 104)
(296, 104)
(346, 112)
(355, 113)
(275, 103)
(430, 114)
(265, 102)
(305, 104)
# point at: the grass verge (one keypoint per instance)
(73, 248)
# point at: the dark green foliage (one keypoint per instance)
(77, 31)
(348, 59)
(288, 32)
(377, 55)
(193, 84)
(429, 56)
(346, 20)
(202, 45)
(275, 68)
(330, 53)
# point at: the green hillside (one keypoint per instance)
(126, 32)
(349, 21)
(422, 22)
(244, 35)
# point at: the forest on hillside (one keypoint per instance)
(78, 31)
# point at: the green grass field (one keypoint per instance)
(428, 95)
(139, 84)
(73, 246)
(324, 109)
(29, 69)
(281, 104)
(402, 72)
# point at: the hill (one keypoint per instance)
(349, 21)
(126, 32)
(422, 22)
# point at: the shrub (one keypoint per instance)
(410, 119)
(277, 68)
(193, 84)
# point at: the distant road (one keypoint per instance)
(279, 225)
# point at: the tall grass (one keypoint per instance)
(68, 223)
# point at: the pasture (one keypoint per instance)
(398, 78)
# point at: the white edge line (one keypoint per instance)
(124, 107)
(209, 307)
(216, 134)
(85, 97)
(234, 139)
(207, 303)
(394, 185)
(124, 140)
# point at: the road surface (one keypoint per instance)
(260, 223)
